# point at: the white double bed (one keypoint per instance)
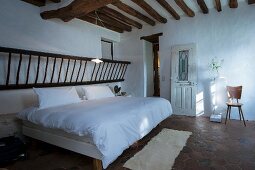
(101, 128)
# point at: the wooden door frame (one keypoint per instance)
(154, 39)
(156, 70)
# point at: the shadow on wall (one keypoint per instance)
(212, 98)
(204, 99)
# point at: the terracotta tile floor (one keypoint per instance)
(211, 146)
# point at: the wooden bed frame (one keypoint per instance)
(83, 148)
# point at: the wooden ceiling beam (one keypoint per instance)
(251, 2)
(185, 8)
(76, 9)
(203, 6)
(110, 20)
(40, 3)
(233, 3)
(36, 2)
(115, 14)
(218, 5)
(103, 24)
(154, 38)
(133, 12)
(55, 1)
(167, 7)
(146, 7)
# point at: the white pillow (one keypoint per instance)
(97, 92)
(49, 97)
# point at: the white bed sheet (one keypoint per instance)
(113, 123)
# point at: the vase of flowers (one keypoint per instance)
(215, 65)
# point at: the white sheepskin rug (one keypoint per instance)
(160, 152)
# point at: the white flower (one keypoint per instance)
(215, 64)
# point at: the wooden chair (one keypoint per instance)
(234, 93)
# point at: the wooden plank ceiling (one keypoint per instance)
(124, 15)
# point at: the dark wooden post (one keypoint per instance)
(38, 69)
(60, 69)
(84, 71)
(97, 164)
(9, 69)
(67, 69)
(18, 71)
(73, 71)
(46, 69)
(53, 71)
(28, 68)
(78, 74)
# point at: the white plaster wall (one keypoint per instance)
(22, 27)
(148, 69)
(228, 35)
(130, 48)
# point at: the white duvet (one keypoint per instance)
(113, 123)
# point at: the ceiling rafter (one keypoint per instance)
(55, 1)
(203, 6)
(218, 5)
(185, 8)
(38, 3)
(233, 3)
(76, 9)
(133, 12)
(107, 19)
(101, 24)
(120, 20)
(251, 2)
(120, 16)
(168, 7)
(146, 7)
